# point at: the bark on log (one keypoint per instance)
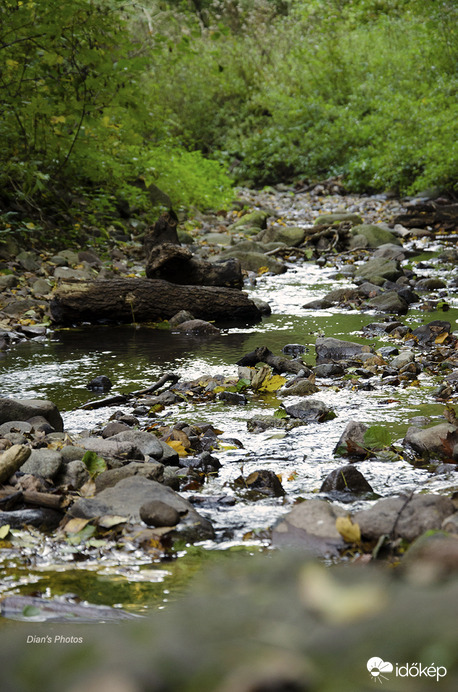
(147, 300)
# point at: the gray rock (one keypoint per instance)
(43, 462)
(253, 261)
(74, 474)
(72, 453)
(390, 251)
(152, 470)
(439, 441)
(8, 281)
(112, 448)
(291, 236)
(169, 456)
(351, 442)
(41, 518)
(146, 442)
(404, 517)
(329, 350)
(41, 287)
(23, 409)
(430, 284)
(346, 479)
(370, 235)
(180, 317)
(198, 328)
(126, 498)
(302, 387)
(311, 525)
(158, 513)
(114, 428)
(311, 410)
(255, 219)
(390, 302)
(427, 333)
(404, 358)
(381, 267)
(328, 370)
(28, 261)
(15, 426)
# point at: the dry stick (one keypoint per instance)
(123, 398)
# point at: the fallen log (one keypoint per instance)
(124, 398)
(131, 300)
(178, 265)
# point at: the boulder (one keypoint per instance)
(146, 442)
(338, 217)
(198, 328)
(157, 513)
(130, 494)
(23, 409)
(439, 441)
(385, 269)
(351, 442)
(74, 474)
(390, 302)
(370, 235)
(254, 261)
(44, 462)
(311, 525)
(311, 410)
(152, 470)
(254, 219)
(346, 479)
(428, 333)
(12, 460)
(301, 387)
(101, 383)
(329, 350)
(291, 236)
(112, 448)
(404, 517)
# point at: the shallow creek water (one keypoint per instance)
(134, 357)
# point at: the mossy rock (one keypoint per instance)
(289, 235)
(254, 219)
(254, 261)
(370, 235)
(335, 218)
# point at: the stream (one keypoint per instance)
(58, 368)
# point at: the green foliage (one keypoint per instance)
(94, 463)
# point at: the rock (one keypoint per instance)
(113, 428)
(178, 265)
(101, 383)
(370, 235)
(12, 460)
(126, 498)
(329, 350)
(112, 448)
(390, 301)
(404, 517)
(351, 442)
(158, 513)
(23, 409)
(346, 479)
(318, 304)
(74, 474)
(72, 453)
(67, 274)
(233, 398)
(28, 261)
(431, 558)
(255, 219)
(260, 483)
(44, 462)
(90, 257)
(293, 349)
(379, 267)
(311, 525)
(311, 410)
(41, 287)
(261, 423)
(254, 261)
(301, 387)
(169, 456)
(15, 426)
(428, 333)
(146, 442)
(328, 370)
(180, 317)
(338, 217)
(40, 518)
(222, 239)
(439, 441)
(8, 281)
(291, 236)
(198, 328)
(152, 470)
(404, 358)
(390, 251)
(432, 284)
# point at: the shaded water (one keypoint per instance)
(133, 358)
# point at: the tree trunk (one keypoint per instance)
(147, 300)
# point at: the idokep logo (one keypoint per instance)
(378, 668)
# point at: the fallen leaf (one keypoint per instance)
(349, 531)
(75, 525)
(4, 531)
(441, 338)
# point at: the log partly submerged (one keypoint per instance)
(147, 300)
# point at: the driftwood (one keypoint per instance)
(178, 265)
(123, 398)
(11, 498)
(147, 300)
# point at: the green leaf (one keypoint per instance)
(94, 464)
(377, 436)
(280, 413)
(31, 611)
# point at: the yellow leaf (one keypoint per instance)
(76, 525)
(441, 338)
(4, 531)
(178, 447)
(349, 531)
(58, 119)
(272, 384)
(263, 270)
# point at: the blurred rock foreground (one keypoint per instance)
(275, 623)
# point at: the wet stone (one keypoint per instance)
(329, 350)
(43, 462)
(311, 410)
(157, 513)
(311, 525)
(346, 479)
